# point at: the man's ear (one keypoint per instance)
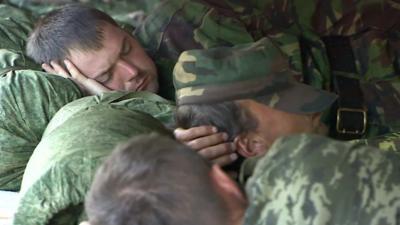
(317, 126)
(316, 119)
(249, 144)
(225, 184)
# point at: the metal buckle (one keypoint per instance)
(344, 131)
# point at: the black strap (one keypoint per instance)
(350, 110)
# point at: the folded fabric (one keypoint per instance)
(76, 141)
(28, 100)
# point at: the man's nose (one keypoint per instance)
(127, 68)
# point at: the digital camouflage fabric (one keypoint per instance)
(28, 100)
(74, 144)
(297, 27)
(15, 26)
(258, 71)
(144, 101)
(314, 180)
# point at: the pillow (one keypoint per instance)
(76, 141)
(15, 26)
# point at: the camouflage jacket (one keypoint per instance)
(314, 180)
(297, 27)
(388, 143)
(125, 12)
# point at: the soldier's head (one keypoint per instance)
(156, 180)
(249, 92)
(97, 46)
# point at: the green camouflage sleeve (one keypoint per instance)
(372, 27)
(388, 142)
(313, 180)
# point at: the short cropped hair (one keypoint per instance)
(228, 117)
(154, 180)
(75, 26)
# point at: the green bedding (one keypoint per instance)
(28, 100)
(15, 25)
(76, 141)
(122, 11)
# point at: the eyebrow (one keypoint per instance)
(107, 70)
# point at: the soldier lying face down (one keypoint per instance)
(249, 92)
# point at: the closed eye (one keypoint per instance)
(104, 78)
(126, 49)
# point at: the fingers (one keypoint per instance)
(217, 151)
(90, 86)
(55, 68)
(94, 88)
(225, 160)
(87, 85)
(186, 135)
(59, 69)
(207, 141)
(48, 68)
(75, 73)
(221, 154)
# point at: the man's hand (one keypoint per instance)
(208, 143)
(87, 85)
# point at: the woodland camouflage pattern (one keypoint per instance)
(313, 180)
(179, 25)
(123, 11)
(388, 142)
(256, 71)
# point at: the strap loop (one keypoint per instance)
(351, 112)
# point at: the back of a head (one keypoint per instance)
(228, 117)
(74, 26)
(154, 180)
